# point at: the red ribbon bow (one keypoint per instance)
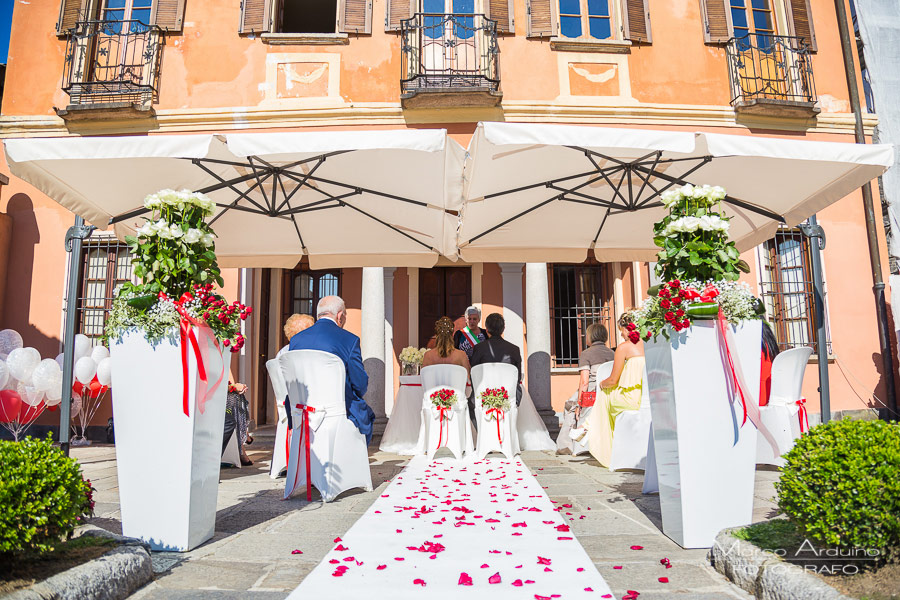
(186, 330)
(443, 411)
(803, 415)
(498, 415)
(305, 433)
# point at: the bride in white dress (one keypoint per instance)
(533, 434)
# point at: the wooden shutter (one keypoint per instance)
(255, 17)
(70, 12)
(502, 11)
(355, 16)
(800, 17)
(541, 18)
(168, 15)
(716, 21)
(397, 10)
(636, 21)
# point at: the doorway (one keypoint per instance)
(443, 291)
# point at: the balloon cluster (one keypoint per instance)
(28, 385)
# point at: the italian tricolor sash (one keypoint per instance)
(473, 339)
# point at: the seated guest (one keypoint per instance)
(470, 335)
(443, 352)
(294, 325)
(619, 392)
(595, 354)
(328, 335)
(497, 350)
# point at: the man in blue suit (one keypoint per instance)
(328, 335)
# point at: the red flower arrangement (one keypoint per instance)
(443, 398)
(495, 398)
(223, 318)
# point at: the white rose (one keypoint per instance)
(689, 224)
(193, 236)
(687, 191)
(718, 193)
(147, 230)
(176, 231)
(207, 240)
(164, 232)
(670, 198)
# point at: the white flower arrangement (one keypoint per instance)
(412, 356)
(709, 193)
(179, 200)
(691, 224)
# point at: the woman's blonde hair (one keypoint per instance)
(443, 336)
(625, 319)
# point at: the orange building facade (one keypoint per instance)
(156, 67)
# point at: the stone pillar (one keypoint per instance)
(537, 319)
(372, 338)
(512, 303)
(389, 339)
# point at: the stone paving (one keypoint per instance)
(250, 555)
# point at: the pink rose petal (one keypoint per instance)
(464, 579)
(548, 570)
(495, 578)
(381, 567)
(543, 561)
(296, 551)
(617, 567)
(580, 569)
(340, 548)
(587, 589)
(484, 566)
(419, 582)
(637, 547)
(517, 583)
(337, 539)
(664, 580)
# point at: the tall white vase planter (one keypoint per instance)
(168, 463)
(704, 458)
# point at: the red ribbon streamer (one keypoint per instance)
(305, 433)
(411, 384)
(443, 410)
(803, 415)
(730, 362)
(287, 447)
(498, 415)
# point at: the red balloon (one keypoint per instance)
(53, 408)
(95, 388)
(27, 413)
(10, 402)
(77, 387)
(104, 389)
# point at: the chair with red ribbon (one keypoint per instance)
(496, 428)
(785, 416)
(326, 450)
(442, 427)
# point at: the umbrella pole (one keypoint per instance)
(74, 237)
(816, 235)
(884, 339)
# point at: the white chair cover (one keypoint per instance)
(629, 447)
(339, 460)
(780, 415)
(495, 375)
(232, 454)
(454, 433)
(282, 435)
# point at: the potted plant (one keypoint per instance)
(703, 337)
(167, 333)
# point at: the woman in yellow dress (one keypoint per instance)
(618, 392)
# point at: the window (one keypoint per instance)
(580, 21)
(726, 19)
(306, 17)
(304, 288)
(106, 265)
(752, 17)
(578, 298)
(585, 18)
(787, 289)
(126, 10)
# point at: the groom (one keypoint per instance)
(328, 335)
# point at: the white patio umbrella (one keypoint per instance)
(537, 192)
(373, 198)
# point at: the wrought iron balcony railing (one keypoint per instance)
(449, 52)
(111, 62)
(770, 68)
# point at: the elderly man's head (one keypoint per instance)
(332, 307)
(296, 323)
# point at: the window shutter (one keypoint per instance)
(355, 16)
(255, 17)
(716, 21)
(636, 21)
(397, 10)
(801, 22)
(70, 11)
(502, 11)
(541, 21)
(168, 15)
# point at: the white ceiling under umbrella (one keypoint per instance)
(372, 198)
(537, 192)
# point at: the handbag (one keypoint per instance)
(587, 399)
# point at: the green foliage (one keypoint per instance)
(42, 494)
(841, 485)
(777, 534)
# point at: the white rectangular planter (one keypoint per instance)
(704, 458)
(168, 463)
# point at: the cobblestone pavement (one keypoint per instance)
(250, 555)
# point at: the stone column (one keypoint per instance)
(389, 339)
(537, 324)
(372, 338)
(512, 303)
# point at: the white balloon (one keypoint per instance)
(21, 363)
(29, 395)
(4, 374)
(82, 346)
(54, 394)
(11, 384)
(42, 377)
(10, 340)
(103, 371)
(85, 369)
(59, 359)
(99, 353)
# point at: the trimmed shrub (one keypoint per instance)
(42, 496)
(841, 485)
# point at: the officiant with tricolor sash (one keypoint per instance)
(471, 334)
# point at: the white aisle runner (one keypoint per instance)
(448, 528)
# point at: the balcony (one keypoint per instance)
(771, 75)
(449, 60)
(111, 70)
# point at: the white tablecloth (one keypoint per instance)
(402, 431)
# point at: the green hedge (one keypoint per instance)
(42, 496)
(841, 485)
